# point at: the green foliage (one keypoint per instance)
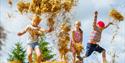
(18, 53)
(46, 53)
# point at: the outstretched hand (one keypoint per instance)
(50, 29)
(96, 12)
(111, 23)
(19, 34)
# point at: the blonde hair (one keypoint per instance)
(78, 22)
(36, 19)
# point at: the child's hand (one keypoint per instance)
(96, 12)
(111, 23)
(19, 34)
(50, 29)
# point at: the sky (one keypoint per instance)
(84, 12)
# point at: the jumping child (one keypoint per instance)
(34, 33)
(95, 37)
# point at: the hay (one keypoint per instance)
(78, 48)
(116, 15)
(52, 8)
(44, 6)
(63, 39)
(22, 6)
(65, 27)
(50, 22)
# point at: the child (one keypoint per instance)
(34, 33)
(96, 37)
(77, 37)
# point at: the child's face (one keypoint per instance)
(35, 23)
(77, 25)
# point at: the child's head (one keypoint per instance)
(101, 24)
(77, 24)
(36, 21)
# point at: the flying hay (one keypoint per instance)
(116, 15)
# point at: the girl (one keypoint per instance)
(76, 42)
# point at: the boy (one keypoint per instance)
(34, 33)
(95, 38)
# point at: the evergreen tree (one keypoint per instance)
(18, 53)
(46, 53)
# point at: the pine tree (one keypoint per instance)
(17, 54)
(46, 53)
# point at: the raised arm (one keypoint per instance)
(44, 30)
(22, 32)
(95, 19)
(108, 25)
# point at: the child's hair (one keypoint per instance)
(37, 19)
(78, 22)
(101, 24)
(80, 30)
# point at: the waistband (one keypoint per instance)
(92, 42)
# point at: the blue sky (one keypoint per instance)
(83, 12)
